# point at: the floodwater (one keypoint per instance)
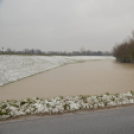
(89, 78)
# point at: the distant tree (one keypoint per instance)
(82, 50)
(2, 48)
(8, 50)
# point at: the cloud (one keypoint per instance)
(65, 25)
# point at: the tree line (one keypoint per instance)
(124, 52)
(82, 52)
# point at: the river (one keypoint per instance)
(95, 77)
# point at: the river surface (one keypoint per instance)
(89, 78)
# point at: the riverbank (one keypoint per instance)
(116, 121)
(66, 113)
(59, 105)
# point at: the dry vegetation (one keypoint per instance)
(124, 52)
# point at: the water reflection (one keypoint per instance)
(124, 65)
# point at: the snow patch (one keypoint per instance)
(13, 67)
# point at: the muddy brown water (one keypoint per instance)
(89, 78)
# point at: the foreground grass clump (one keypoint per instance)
(41, 106)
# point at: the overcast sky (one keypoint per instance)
(65, 25)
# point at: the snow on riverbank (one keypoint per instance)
(13, 67)
(41, 106)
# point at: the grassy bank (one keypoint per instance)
(12, 108)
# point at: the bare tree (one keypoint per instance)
(124, 52)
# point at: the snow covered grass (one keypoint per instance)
(13, 67)
(42, 106)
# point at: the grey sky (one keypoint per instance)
(65, 24)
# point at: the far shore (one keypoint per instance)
(89, 78)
